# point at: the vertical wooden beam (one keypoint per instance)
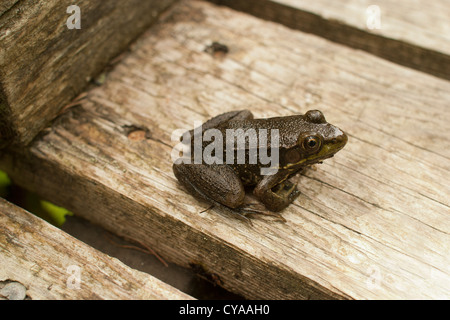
(44, 64)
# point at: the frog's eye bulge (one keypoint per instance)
(315, 116)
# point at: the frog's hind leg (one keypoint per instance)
(220, 186)
(216, 184)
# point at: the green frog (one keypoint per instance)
(300, 141)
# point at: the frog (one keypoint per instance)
(303, 140)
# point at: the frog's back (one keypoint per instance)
(288, 128)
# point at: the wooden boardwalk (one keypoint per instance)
(371, 223)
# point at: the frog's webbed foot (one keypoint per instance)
(247, 210)
(237, 213)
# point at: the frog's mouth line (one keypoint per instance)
(327, 151)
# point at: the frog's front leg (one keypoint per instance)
(275, 192)
(217, 184)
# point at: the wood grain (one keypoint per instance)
(6, 5)
(44, 65)
(40, 257)
(415, 34)
(371, 223)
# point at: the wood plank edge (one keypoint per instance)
(7, 133)
(403, 53)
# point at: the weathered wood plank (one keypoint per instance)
(5, 5)
(415, 34)
(372, 222)
(44, 64)
(53, 265)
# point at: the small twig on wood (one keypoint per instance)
(74, 102)
(210, 207)
(146, 249)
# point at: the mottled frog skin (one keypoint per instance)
(303, 140)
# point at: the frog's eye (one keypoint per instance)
(311, 143)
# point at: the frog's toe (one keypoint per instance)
(250, 211)
(294, 194)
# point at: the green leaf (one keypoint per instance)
(5, 182)
(58, 214)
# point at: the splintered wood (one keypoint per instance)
(371, 223)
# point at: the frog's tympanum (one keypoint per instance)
(301, 141)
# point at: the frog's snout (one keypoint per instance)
(342, 139)
(339, 139)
